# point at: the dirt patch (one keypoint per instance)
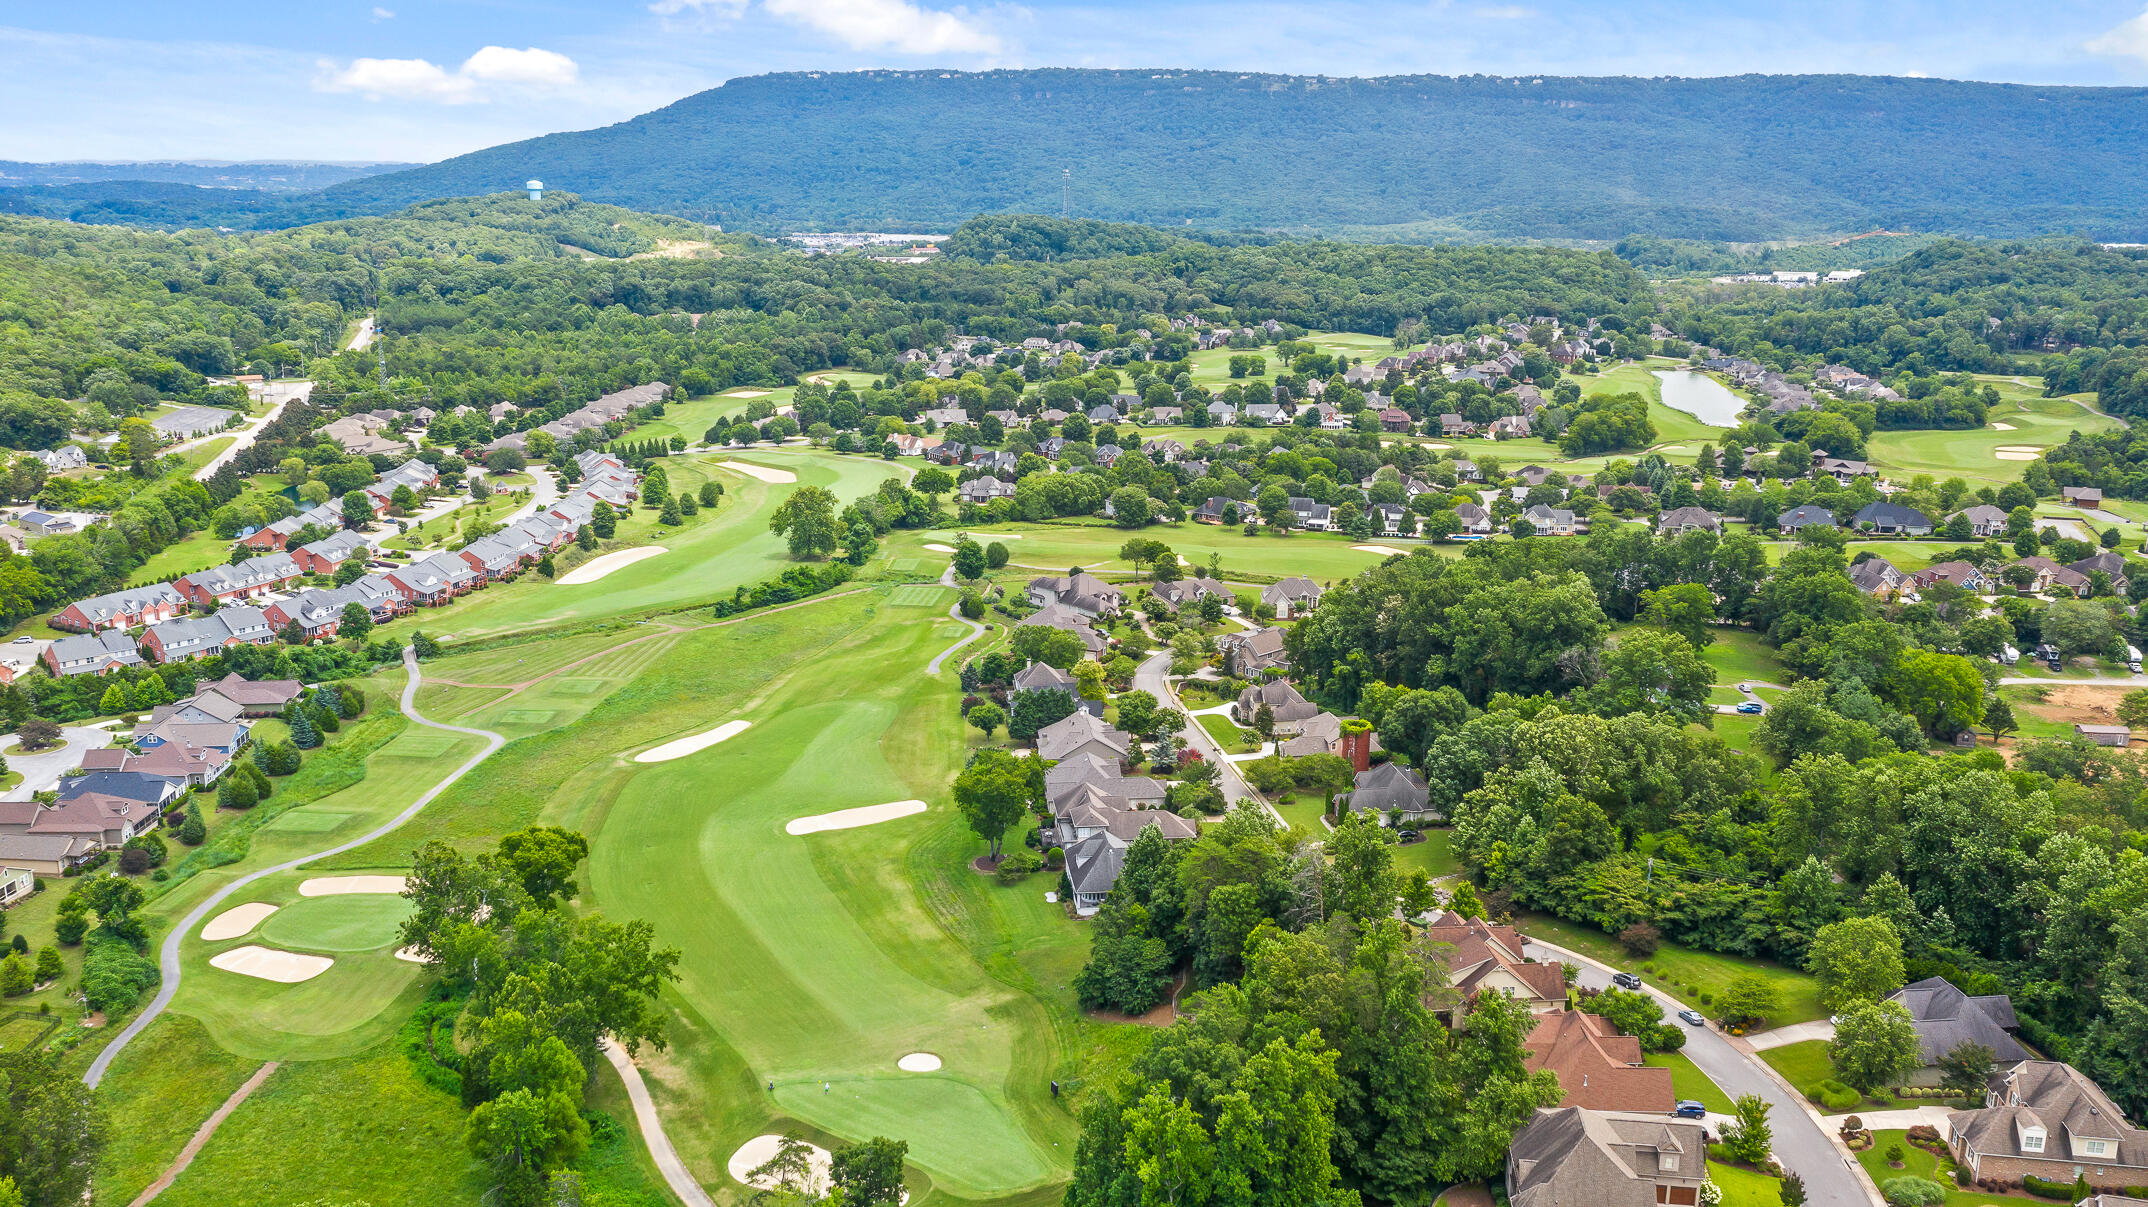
(2079, 704)
(1163, 1015)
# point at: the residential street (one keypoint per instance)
(1804, 1142)
(282, 392)
(1153, 677)
(42, 770)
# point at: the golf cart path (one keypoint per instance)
(168, 955)
(954, 612)
(661, 1151)
(201, 1136)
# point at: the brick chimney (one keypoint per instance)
(1356, 745)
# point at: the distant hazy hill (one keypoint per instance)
(1745, 158)
(273, 177)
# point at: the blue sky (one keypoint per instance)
(423, 79)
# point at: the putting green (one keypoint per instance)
(819, 961)
(343, 923)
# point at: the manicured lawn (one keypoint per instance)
(1051, 548)
(197, 552)
(158, 1091)
(1742, 657)
(1233, 739)
(709, 556)
(1435, 855)
(1303, 812)
(357, 922)
(813, 958)
(1744, 1187)
(1918, 1163)
(1688, 1081)
(1673, 427)
(2035, 422)
(1678, 968)
(1801, 1064)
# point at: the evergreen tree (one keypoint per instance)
(193, 831)
(670, 514)
(236, 792)
(303, 734)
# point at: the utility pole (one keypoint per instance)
(381, 346)
(1066, 189)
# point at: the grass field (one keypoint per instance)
(335, 925)
(809, 956)
(709, 556)
(1052, 548)
(1434, 856)
(1742, 657)
(1680, 968)
(1227, 734)
(2036, 422)
(1744, 1187)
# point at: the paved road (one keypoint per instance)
(543, 493)
(283, 392)
(1746, 690)
(2096, 681)
(1153, 677)
(42, 770)
(1803, 1143)
(168, 955)
(363, 338)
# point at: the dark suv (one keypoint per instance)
(1626, 980)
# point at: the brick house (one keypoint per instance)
(128, 609)
(2046, 1118)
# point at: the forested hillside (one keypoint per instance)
(1422, 157)
(1744, 158)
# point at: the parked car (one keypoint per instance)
(1751, 707)
(1626, 980)
(1689, 1109)
(1692, 1018)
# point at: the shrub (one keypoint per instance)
(1894, 1154)
(1670, 1038)
(114, 974)
(2044, 1188)
(70, 926)
(133, 861)
(1914, 1192)
(1641, 939)
(1018, 865)
(1055, 859)
(1836, 1096)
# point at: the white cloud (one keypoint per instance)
(534, 67)
(721, 8)
(1505, 12)
(383, 14)
(2126, 40)
(422, 80)
(896, 25)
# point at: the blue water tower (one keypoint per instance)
(536, 188)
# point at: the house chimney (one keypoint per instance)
(1356, 746)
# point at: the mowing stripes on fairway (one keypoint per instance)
(577, 687)
(529, 716)
(417, 746)
(850, 819)
(917, 595)
(303, 820)
(679, 748)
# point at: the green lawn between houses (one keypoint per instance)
(1680, 968)
(1687, 1081)
(1918, 1163)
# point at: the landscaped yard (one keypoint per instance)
(1303, 812)
(1744, 1187)
(1742, 657)
(1918, 1163)
(1434, 856)
(1680, 968)
(1227, 734)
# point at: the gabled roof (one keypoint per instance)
(1069, 734)
(1945, 1016)
(1389, 786)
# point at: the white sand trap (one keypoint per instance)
(409, 955)
(850, 819)
(762, 472)
(1436, 444)
(940, 548)
(1671, 448)
(995, 536)
(919, 1062)
(335, 886)
(236, 921)
(756, 1152)
(1378, 549)
(747, 393)
(268, 964)
(679, 748)
(597, 567)
(2004, 427)
(2017, 452)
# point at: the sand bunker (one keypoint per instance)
(762, 472)
(995, 536)
(597, 567)
(747, 393)
(756, 1152)
(1378, 549)
(1436, 444)
(940, 548)
(2004, 427)
(236, 921)
(333, 886)
(268, 964)
(849, 819)
(679, 748)
(919, 1062)
(410, 955)
(2017, 452)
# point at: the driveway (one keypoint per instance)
(1795, 1033)
(1804, 1142)
(42, 769)
(544, 491)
